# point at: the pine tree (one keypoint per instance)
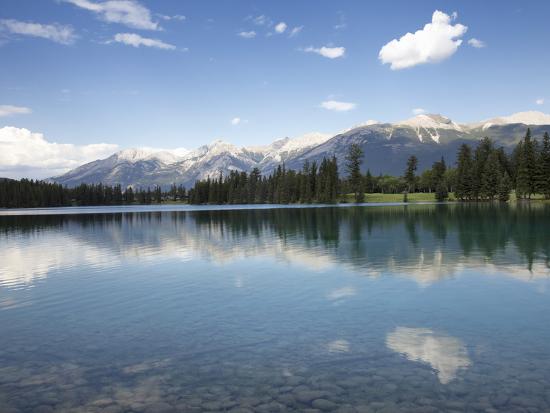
(483, 149)
(490, 176)
(544, 167)
(464, 179)
(353, 167)
(504, 187)
(523, 171)
(410, 178)
(529, 148)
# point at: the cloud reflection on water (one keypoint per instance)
(445, 354)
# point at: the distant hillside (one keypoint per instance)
(386, 146)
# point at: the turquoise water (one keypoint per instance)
(353, 309)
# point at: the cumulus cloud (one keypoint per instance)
(539, 101)
(55, 32)
(127, 12)
(338, 106)
(281, 27)
(437, 41)
(247, 35)
(235, 121)
(295, 31)
(328, 52)
(10, 110)
(27, 154)
(478, 44)
(135, 40)
(418, 111)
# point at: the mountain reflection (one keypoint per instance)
(423, 242)
(446, 355)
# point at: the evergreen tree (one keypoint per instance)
(129, 195)
(410, 178)
(544, 167)
(441, 193)
(504, 187)
(353, 166)
(483, 149)
(523, 170)
(464, 170)
(490, 176)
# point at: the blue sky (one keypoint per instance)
(82, 80)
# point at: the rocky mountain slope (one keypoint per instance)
(387, 147)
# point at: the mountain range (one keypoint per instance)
(386, 146)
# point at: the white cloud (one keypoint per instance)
(281, 27)
(133, 39)
(478, 44)
(437, 41)
(55, 32)
(540, 101)
(247, 35)
(262, 20)
(418, 111)
(338, 106)
(329, 52)
(235, 121)
(127, 12)
(27, 154)
(295, 31)
(179, 17)
(10, 110)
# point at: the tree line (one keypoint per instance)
(481, 173)
(314, 183)
(28, 193)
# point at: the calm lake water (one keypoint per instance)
(418, 308)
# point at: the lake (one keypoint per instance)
(416, 308)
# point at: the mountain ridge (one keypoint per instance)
(386, 147)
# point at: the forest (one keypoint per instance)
(480, 173)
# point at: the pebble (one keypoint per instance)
(307, 396)
(324, 405)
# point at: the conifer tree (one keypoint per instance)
(410, 177)
(544, 167)
(353, 167)
(490, 176)
(523, 178)
(464, 178)
(483, 149)
(504, 187)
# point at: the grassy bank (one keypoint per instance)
(379, 197)
(423, 197)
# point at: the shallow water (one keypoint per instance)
(369, 309)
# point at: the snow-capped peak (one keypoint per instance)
(166, 156)
(527, 118)
(433, 121)
(430, 124)
(305, 141)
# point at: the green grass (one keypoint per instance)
(413, 197)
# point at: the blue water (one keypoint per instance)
(351, 309)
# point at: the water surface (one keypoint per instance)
(367, 309)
